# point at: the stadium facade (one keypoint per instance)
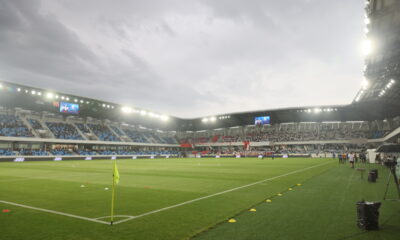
(38, 123)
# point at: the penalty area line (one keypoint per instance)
(220, 193)
(54, 212)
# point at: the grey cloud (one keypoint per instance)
(186, 58)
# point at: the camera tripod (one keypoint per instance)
(392, 172)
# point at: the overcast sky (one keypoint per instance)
(187, 58)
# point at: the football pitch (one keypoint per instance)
(183, 198)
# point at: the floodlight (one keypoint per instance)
(143, 112)
(50, 95)
(213, 119)
(366, 46)
(317, 110)
(204, 120)
(1, 86)
(81, 101)
(33, 92)
(62, 97)
(104, 105)
(67, 98)
(367, 21)
(164, 117)
(75, 100)
(126, 109)
(18, 89)
(39, 93)
(365, 84)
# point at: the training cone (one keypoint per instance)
(82, 185)
(268, 200)
(290, 189)
(106, 188)
(6, 210)
(253, 210)
(298, 184)
(232, 220)
(279, 194)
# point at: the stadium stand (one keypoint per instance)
(103, 132)
(12, 126)
(35, 123)
(82, 127)
(64, 130)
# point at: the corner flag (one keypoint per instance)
(115, 181)
(116, 173)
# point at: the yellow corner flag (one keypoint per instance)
(116, 173)
(115, 181)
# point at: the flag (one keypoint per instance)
(116, 173)
(115, 181)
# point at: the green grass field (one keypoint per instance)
(185, 198)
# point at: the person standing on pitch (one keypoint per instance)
(351, 159)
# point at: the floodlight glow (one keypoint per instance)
(39, 93)
(317, 110)
(81, 101)
(62, 97)
(367, 21)
(104, 105)
(67, 98)
(366, 47)
(49, 95)
(1, 86)
(213, 119)
(126, 109)
(365, 84)
(164, 117)
(143, 113)
(75, 100)
(18, 89)
(204, 120)
(33, 92)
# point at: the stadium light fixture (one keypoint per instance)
(81, 101)
(62, 97)
(367, 20)
(67, 98)
(164, 118)
(49, 95)
(366, 47)
(33, 92)
(75, 100)
(365, 84)
(18, 89)
(213, 119)
(143, 113)
(1, 86)
(204, 120)
(39, 93)
(126, 109)
(317, 110)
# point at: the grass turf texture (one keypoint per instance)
(324, 207)
(145, 185)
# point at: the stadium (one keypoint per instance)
(78, 167)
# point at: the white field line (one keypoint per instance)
(123, 216)
(219, 193)
(54, 212)
(25, 178)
